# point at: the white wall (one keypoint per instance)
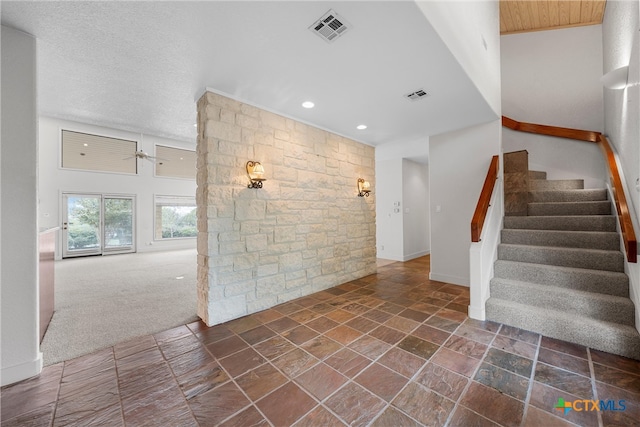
(458, 164)
(54, 180)
(484, 253)
(415, 196)
(402, 200)
(622, 109)
(21, 357)
(620, 36)
(470, 29)
(416, 150)
(389, 217)
(553, 77)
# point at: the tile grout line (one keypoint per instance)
(531, 382)
(457, 403)
(55, 405)
(173, 374)
(594, 385)
(115, 366)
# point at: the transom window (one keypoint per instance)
(174, 162)
(98, 153)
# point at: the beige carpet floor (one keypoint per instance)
(103, 300)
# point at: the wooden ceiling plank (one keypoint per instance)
(518, 16)
(597, 14)
(535, 13)
(515, 15)
(554, 13)
(506, 23)
(557, 27)
(585, 13)
(543, 8)
(564, 12)
(525, 15)
(575, 7)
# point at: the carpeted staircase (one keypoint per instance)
(560, 271)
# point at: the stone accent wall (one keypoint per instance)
(305, 231)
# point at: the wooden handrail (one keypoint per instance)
(580, 135)
(477, 222)
(624, 217)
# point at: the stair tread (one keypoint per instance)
(555, 184)
(587, 320)
(581, 194)
(579, 202)
(565, 216)
(567, 291)
(601, 335)
(602, 281)
(539, 231)
(563, 248)
(600, 306)
(603, 259)
(569, 190)
(566, 269)
(561, 222)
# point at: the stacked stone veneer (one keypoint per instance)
(305, 231)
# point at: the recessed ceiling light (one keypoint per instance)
(85, 144)
(195, 125)
(308, 104)
(361, 127)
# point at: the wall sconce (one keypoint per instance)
(616, 79)
(255, 172)
(363, 188)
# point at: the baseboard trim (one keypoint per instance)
(15, 373)
(477, 313)
(455, 280)
(415, 255)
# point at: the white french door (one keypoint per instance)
(97, 224)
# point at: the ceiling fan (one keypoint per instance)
(145, 156)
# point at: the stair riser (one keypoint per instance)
(580, 279)
(567, 327)
(570, 239)
(569, 208)
(568, 196)
(578, 258)
(569, 223)
(558, 184)
(596, 306)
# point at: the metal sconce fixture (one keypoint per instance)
(255, 172)
(363, 188)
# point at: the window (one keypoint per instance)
(98, 153)
(175, 217)
(175, 162)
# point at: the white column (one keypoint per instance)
(21, 357)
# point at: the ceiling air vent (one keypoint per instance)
(330, 26)
(418, 94)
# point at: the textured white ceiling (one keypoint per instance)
(141, 66)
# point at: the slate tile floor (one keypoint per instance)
(392, 349)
